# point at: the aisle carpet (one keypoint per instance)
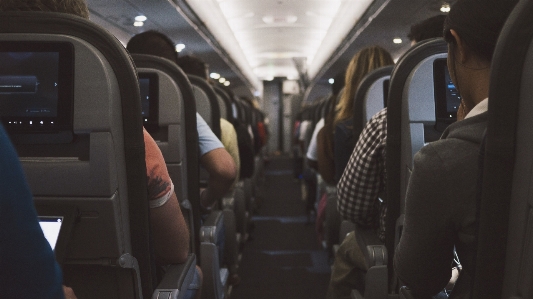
(284, 258)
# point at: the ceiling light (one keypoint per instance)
(140, 18)
(397, 40)
(138, 24)
(215, 76)
(222, 80)
(445, 8)
(331, 80)
(226, 83)
(180, 47)
(280, 20)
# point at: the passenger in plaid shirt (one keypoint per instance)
(363, 180)
(362, 184)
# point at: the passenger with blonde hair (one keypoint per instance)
(359, 191)
(362, 63)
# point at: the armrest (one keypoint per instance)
(346, 227)
(211, 227)
(374, 250)
(176, 280)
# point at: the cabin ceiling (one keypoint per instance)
(247, 41)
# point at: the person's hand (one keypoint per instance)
(453, 279)
(69, 293)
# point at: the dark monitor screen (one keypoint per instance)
(447, 98)
(149, 89)
(386, 84)
(36, 86)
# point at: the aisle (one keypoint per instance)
(284, 259)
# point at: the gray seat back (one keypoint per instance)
(176, 134)
(101, 171)
(370, 97)
(505, 235)
(206, 103)
(410, 107)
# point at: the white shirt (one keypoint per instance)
(481, 107)
(312, 152)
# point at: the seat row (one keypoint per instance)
(85, 158)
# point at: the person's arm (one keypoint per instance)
(218, 163)
(424, 255)
(221, 168)
(168, 227)
(363, 177)
(169, 231)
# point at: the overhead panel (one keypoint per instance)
(263, 36)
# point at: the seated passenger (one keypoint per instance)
(168, 227)
(195, 66)
(361, 64)
(440, 211)
(314, 145)
(213, 157)
(325, 137)
(359, 189)
(28, 265)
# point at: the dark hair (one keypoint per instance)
(153, 43)
(429, 28)
(338, 83)
(193, 65)
(74, 7)
(478, 23)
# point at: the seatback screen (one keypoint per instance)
(149, 89)
(36, 86)
(447, 97)
(386, 84)
(51, 227)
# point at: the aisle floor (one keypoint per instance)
(284, 258)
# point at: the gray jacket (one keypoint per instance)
(441, 210)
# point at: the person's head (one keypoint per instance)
(471, 31)
(361, 64)
(429, 28)
(194, 66)
(153, 43)
(74, 7)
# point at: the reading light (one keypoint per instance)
(331, 80)
(180, 47)
(222, 80)
(140, 18)
(226, 83)
(215, 76)
(138, 24)
(397, 40)
(445, 8)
